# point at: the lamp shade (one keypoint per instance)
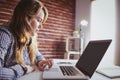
(84, 23)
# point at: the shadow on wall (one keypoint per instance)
(117, 55)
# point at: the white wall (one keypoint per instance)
(103, 26)
(101, 16)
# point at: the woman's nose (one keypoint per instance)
(41, 26)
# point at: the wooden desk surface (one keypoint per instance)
(37, 75)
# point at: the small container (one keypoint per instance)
(76, 33)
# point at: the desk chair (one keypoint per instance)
(72, 47)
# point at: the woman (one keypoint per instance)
(18, 47)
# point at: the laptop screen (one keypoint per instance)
(92, 56)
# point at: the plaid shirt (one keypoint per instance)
(9, 69)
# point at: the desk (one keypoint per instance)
(37, 75)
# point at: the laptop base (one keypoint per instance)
(65, 79)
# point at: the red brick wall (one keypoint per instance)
(60, 24)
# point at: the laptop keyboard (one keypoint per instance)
(68, 70)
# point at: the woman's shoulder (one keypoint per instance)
(5, 30)
(5, 33)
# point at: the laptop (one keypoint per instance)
(84, 67)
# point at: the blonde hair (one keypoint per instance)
(21, 29)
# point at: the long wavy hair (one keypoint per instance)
(21, 29)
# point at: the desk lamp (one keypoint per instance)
(83, 25)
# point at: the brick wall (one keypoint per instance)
(60, 24)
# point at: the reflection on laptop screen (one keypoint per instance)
(92, 56)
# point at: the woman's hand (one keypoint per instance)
(42, 64)
(29, 69)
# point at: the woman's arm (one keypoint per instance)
(6, 74)
(12, 72)
(39, 56)
(42, 62)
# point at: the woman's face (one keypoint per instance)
(36, 21)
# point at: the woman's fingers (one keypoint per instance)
(44, 63)
(50, 63)
(29, 69)
(41, 65)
